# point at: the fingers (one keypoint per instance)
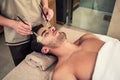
(23, 29)
(30, 27)
(49, 14)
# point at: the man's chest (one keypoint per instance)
(63, 73)
(77, 67)
(83, 65)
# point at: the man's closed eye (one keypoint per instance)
(46, 34)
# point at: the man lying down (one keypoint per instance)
(88, 58)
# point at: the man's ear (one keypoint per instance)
(45, 50)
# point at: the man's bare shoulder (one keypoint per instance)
(86, 36)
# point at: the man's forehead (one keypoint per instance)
(43, 28)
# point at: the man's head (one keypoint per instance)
(52, 38)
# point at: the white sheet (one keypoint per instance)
(108, 61)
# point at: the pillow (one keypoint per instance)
(39, 60)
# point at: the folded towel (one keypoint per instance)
(38, 60)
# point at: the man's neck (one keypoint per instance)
(65, 51)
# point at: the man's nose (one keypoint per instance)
(52, 29)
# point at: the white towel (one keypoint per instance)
(108, 62)
(38, 60)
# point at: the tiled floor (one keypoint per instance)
(91, 20)
(6, 62)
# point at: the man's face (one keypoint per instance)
(51, 36)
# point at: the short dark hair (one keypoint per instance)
(36, 46)
(36, 28)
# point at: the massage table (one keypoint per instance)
(26, 71)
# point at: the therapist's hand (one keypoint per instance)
(22, 28)
(49, 13)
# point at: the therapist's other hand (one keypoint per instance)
(49, 13)
(22, 28)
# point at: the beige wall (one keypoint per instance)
(114, 27)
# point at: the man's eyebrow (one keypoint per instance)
(49, 27)
(43, 32)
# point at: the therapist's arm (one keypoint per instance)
(45, 3)
(18, 26)
(6, 22)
